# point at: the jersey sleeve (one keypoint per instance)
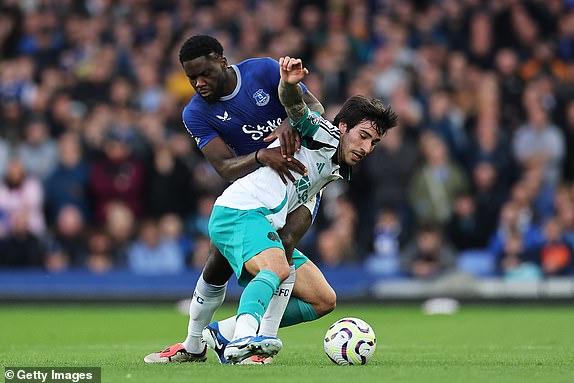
(196, 124)
(308, 125)
(312, 125)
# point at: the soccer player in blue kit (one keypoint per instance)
(233, 117)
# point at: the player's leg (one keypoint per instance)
(254, 251)
(312, 297)
(295, 227)
(269, 268)
(208, 295)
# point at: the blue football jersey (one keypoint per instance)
(246, 116)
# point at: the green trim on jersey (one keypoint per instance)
(266, 211)
(305, 125)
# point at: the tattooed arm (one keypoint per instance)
(290, 93)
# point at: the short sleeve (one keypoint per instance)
(197, 126)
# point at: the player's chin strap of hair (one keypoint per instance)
(257, 159)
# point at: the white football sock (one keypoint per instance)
(272, 318)
(227, 327)
(206, 299)
(246, 325)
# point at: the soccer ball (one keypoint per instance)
(350, 341)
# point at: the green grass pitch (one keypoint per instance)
(478, 344)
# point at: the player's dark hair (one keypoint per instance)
(197, 46)
(360, 108)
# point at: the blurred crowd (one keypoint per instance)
(97, 170)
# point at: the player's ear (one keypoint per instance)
(342, 127)
(223, 62)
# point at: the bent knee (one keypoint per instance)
(326, 303)
(282, 271)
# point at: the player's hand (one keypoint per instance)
(292, 70)
(273, 158)
(289, 139)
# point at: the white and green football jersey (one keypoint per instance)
(263, 188)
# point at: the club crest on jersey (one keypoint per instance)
(261, 98)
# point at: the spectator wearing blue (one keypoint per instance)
(38, 152)
(68, 183)
(151, 254)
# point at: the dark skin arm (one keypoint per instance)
(231, 167)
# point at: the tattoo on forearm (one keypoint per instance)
(313, 103)
(291, 96)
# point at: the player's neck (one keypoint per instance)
(230, 81)
(337, 157)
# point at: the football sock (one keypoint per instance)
(205, 300)
(254, 302)
(227, 327)
(270, 321)
(246, 325)
(298, 311)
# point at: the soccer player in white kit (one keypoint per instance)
(246, 217)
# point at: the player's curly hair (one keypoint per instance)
(361, 108)
(197, 46)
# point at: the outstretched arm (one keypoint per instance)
(290, 93)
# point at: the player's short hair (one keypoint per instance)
(197, 46)
(360, 108)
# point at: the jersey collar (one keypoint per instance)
(344, 169)
(237, 86)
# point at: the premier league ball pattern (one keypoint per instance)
(350, 341)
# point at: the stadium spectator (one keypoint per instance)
(38, 152)
(117, 176)
(171, 228)
(168, 187)
(99, 66)
(515, 261)
(382, 181)
(21, 193)
(489, 194)
(68, 241)
(99, 259)
(465, 228)
(511, 223)
(385, 258)
(151, 254)
(429, 256)
(510, 85)
(436, 182)
(539, 143)
(68, 183)
(120, 223)
(555, 255)
(489, 143)
(21, 248)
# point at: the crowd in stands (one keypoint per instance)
(97, 170)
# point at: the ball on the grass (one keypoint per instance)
(350, 341)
